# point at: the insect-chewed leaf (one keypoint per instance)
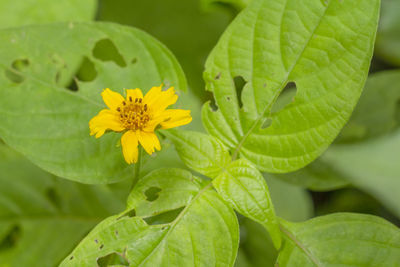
(323, 48)
(244, 187)
(200, 152)
(46, 121)
(342, 239)
(172, 219)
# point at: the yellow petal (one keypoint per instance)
(129, 144)
(105, 120)
(149, 141)
(133, 94)
(175, 118)
(158, 100)
(112, 99)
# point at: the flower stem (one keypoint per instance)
(137, 169)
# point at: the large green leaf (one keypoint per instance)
(172, 219)
(388, 38)
(21, 13)
(244, 187)
(48, 123)
(324, 47)
(43, 217)
(342, 239)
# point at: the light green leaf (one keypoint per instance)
(324, 47)
(179, 222)
(373, 166)
(342, 239)
(43, 217)
(200, 152)
(21, 13)
(388, 38)
(244, 187)
(48, 123)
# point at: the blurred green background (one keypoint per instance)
(44, 217)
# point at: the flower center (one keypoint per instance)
(133, 114)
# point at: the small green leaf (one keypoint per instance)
(322, 47)
(47, 122)
(342, 239)
(172, 219)
(21, 13)
(244, 187)
(200, 152)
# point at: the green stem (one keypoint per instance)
(137, 169)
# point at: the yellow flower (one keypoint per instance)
(138, 116)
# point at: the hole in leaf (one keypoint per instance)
(14, 72)
(239, 84)
(218, 76)
(285, 98)
(20, 64)
(130, 213)
(163, 218)
(266, 123)
(105, 50)
(73, 86)
(53, 196)
(101, 246)
(210, 97)
(134, 60)
(152, 193)
(87, 71)
(11, 239)
(112, 259)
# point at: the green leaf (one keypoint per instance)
(172, 219)
(200, 152)
(244, 187)
(43, 217)
(372, 166)
(49, 123)
(21, 13)
(388, 37)
(342, 239)
(272, 44)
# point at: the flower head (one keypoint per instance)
(139, 117)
